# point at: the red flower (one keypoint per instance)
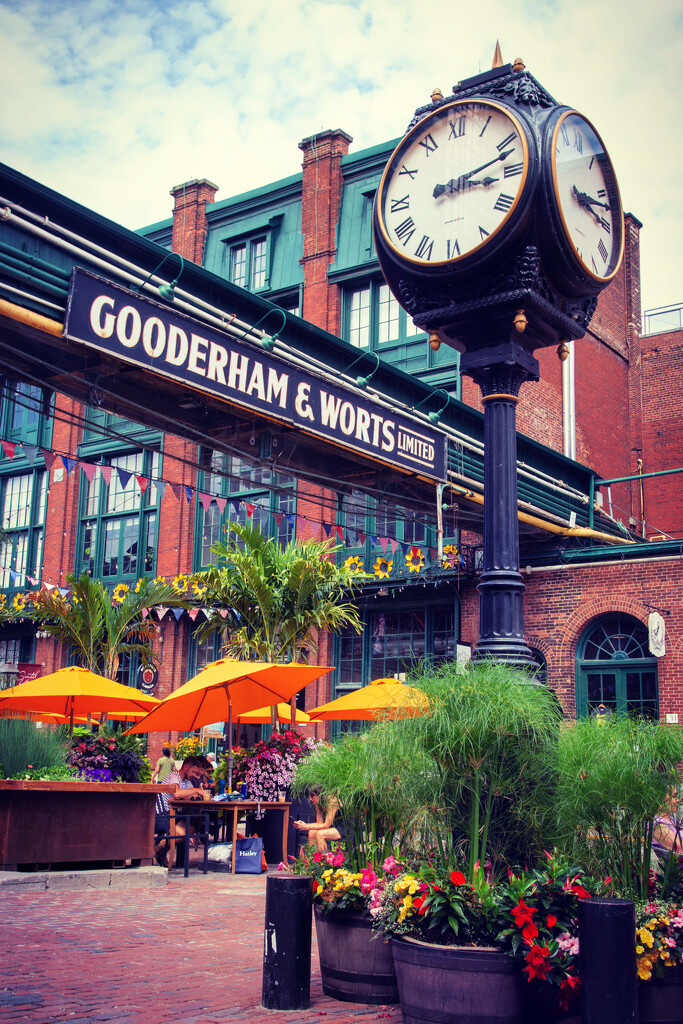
(537, 962)
(457, 878)
(551, 920)
(581, 892)
(522, 914)
(418, 903)
(529, 933)
(568, 988)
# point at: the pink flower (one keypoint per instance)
(368, 880)
(338, 859)
(391, 865)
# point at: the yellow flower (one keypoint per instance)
(119, 592)
(354, 564)
(198, 590)
(383, 568)
(159, 580)
(415, 560)
(19, 602)
(450, 554)
(645, 937)
(180, 583)
(644, 970)
(640, 949)
(3, 600)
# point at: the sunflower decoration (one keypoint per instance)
(19, 602)
(119, 592)
(198, 589)
(160, 581)
(354, 564)
(450, 556)
(415, 560)
(382, 568)
(180, 583)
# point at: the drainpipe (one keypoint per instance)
(568, 401)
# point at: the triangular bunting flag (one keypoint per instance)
(235, 502)
(289, 516)
(189, 491)
(161, 611)
(405, 548)
(63, 591)
(8, 447)
(124, 478)
(327, 527)
(69, 464)
(351, 538)
(89, 470)
(373, 540)
(223, 612)
(236, 614)
(143, 482)
(250, 509)
(30, 451)
(221, 502)
(415, 552)
(303, 523)
(177, 612)
(278, 517)
(193, 613)
(49, 458)
(106, 472)
(394, 545)
(177, 490)
(144, 612)
(361, 538)
(15, 576)
(160, 487)
(339, 530)
(383, 541)
(205, 499)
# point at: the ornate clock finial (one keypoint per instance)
(437, 95)
(518, 64)
(497, 57)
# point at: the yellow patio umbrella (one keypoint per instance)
(40, 716)
(382, 698)
(75, 691)
(224, 691)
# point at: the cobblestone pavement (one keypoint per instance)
(189, 952)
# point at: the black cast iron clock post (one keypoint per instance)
(497, 222)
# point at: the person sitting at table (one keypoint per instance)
(191, 775)
(323, 828)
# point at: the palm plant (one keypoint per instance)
(278, 599)
(99, 629)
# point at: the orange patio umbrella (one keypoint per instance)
(224, 691)
(75, 691)
(264, 715)
(382, 698)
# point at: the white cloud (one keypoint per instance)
(115, 101)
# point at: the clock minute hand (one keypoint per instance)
(455, 184)
(587, 201)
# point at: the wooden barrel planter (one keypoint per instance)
(457, 985)
(660, 1000)
(356, 964)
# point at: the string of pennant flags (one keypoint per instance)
(413, 555)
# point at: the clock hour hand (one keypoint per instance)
(587, 202)
(483, 181)
(455, 184)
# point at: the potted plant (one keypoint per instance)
(356, 964)
(659, 952)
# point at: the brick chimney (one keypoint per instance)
(321, 197)
(189, 218)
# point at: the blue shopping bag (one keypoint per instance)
(248, 855)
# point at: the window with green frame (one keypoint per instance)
(373, 319)
(23, 499)
(397, 635)
(248, 263)
(22, 416)
(117, 536)
(241, 483)
(615, 670)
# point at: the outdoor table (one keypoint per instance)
(237, 807)
(49, 823)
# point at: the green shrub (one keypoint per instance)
(23, 744)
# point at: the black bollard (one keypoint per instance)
(287, 943)
(607, 950)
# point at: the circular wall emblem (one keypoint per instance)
(147, 678)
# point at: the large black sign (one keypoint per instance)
(122, 323)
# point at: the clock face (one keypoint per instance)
(587, 196)
(453, 183)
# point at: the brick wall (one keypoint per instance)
(189, 217)
(321, 197)
(662, 356)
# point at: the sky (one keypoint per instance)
(114, 102)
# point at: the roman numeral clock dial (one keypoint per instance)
(584, 198)
(453, 186)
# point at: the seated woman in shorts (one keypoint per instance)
(323, 829)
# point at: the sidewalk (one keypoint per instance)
(187, 952)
